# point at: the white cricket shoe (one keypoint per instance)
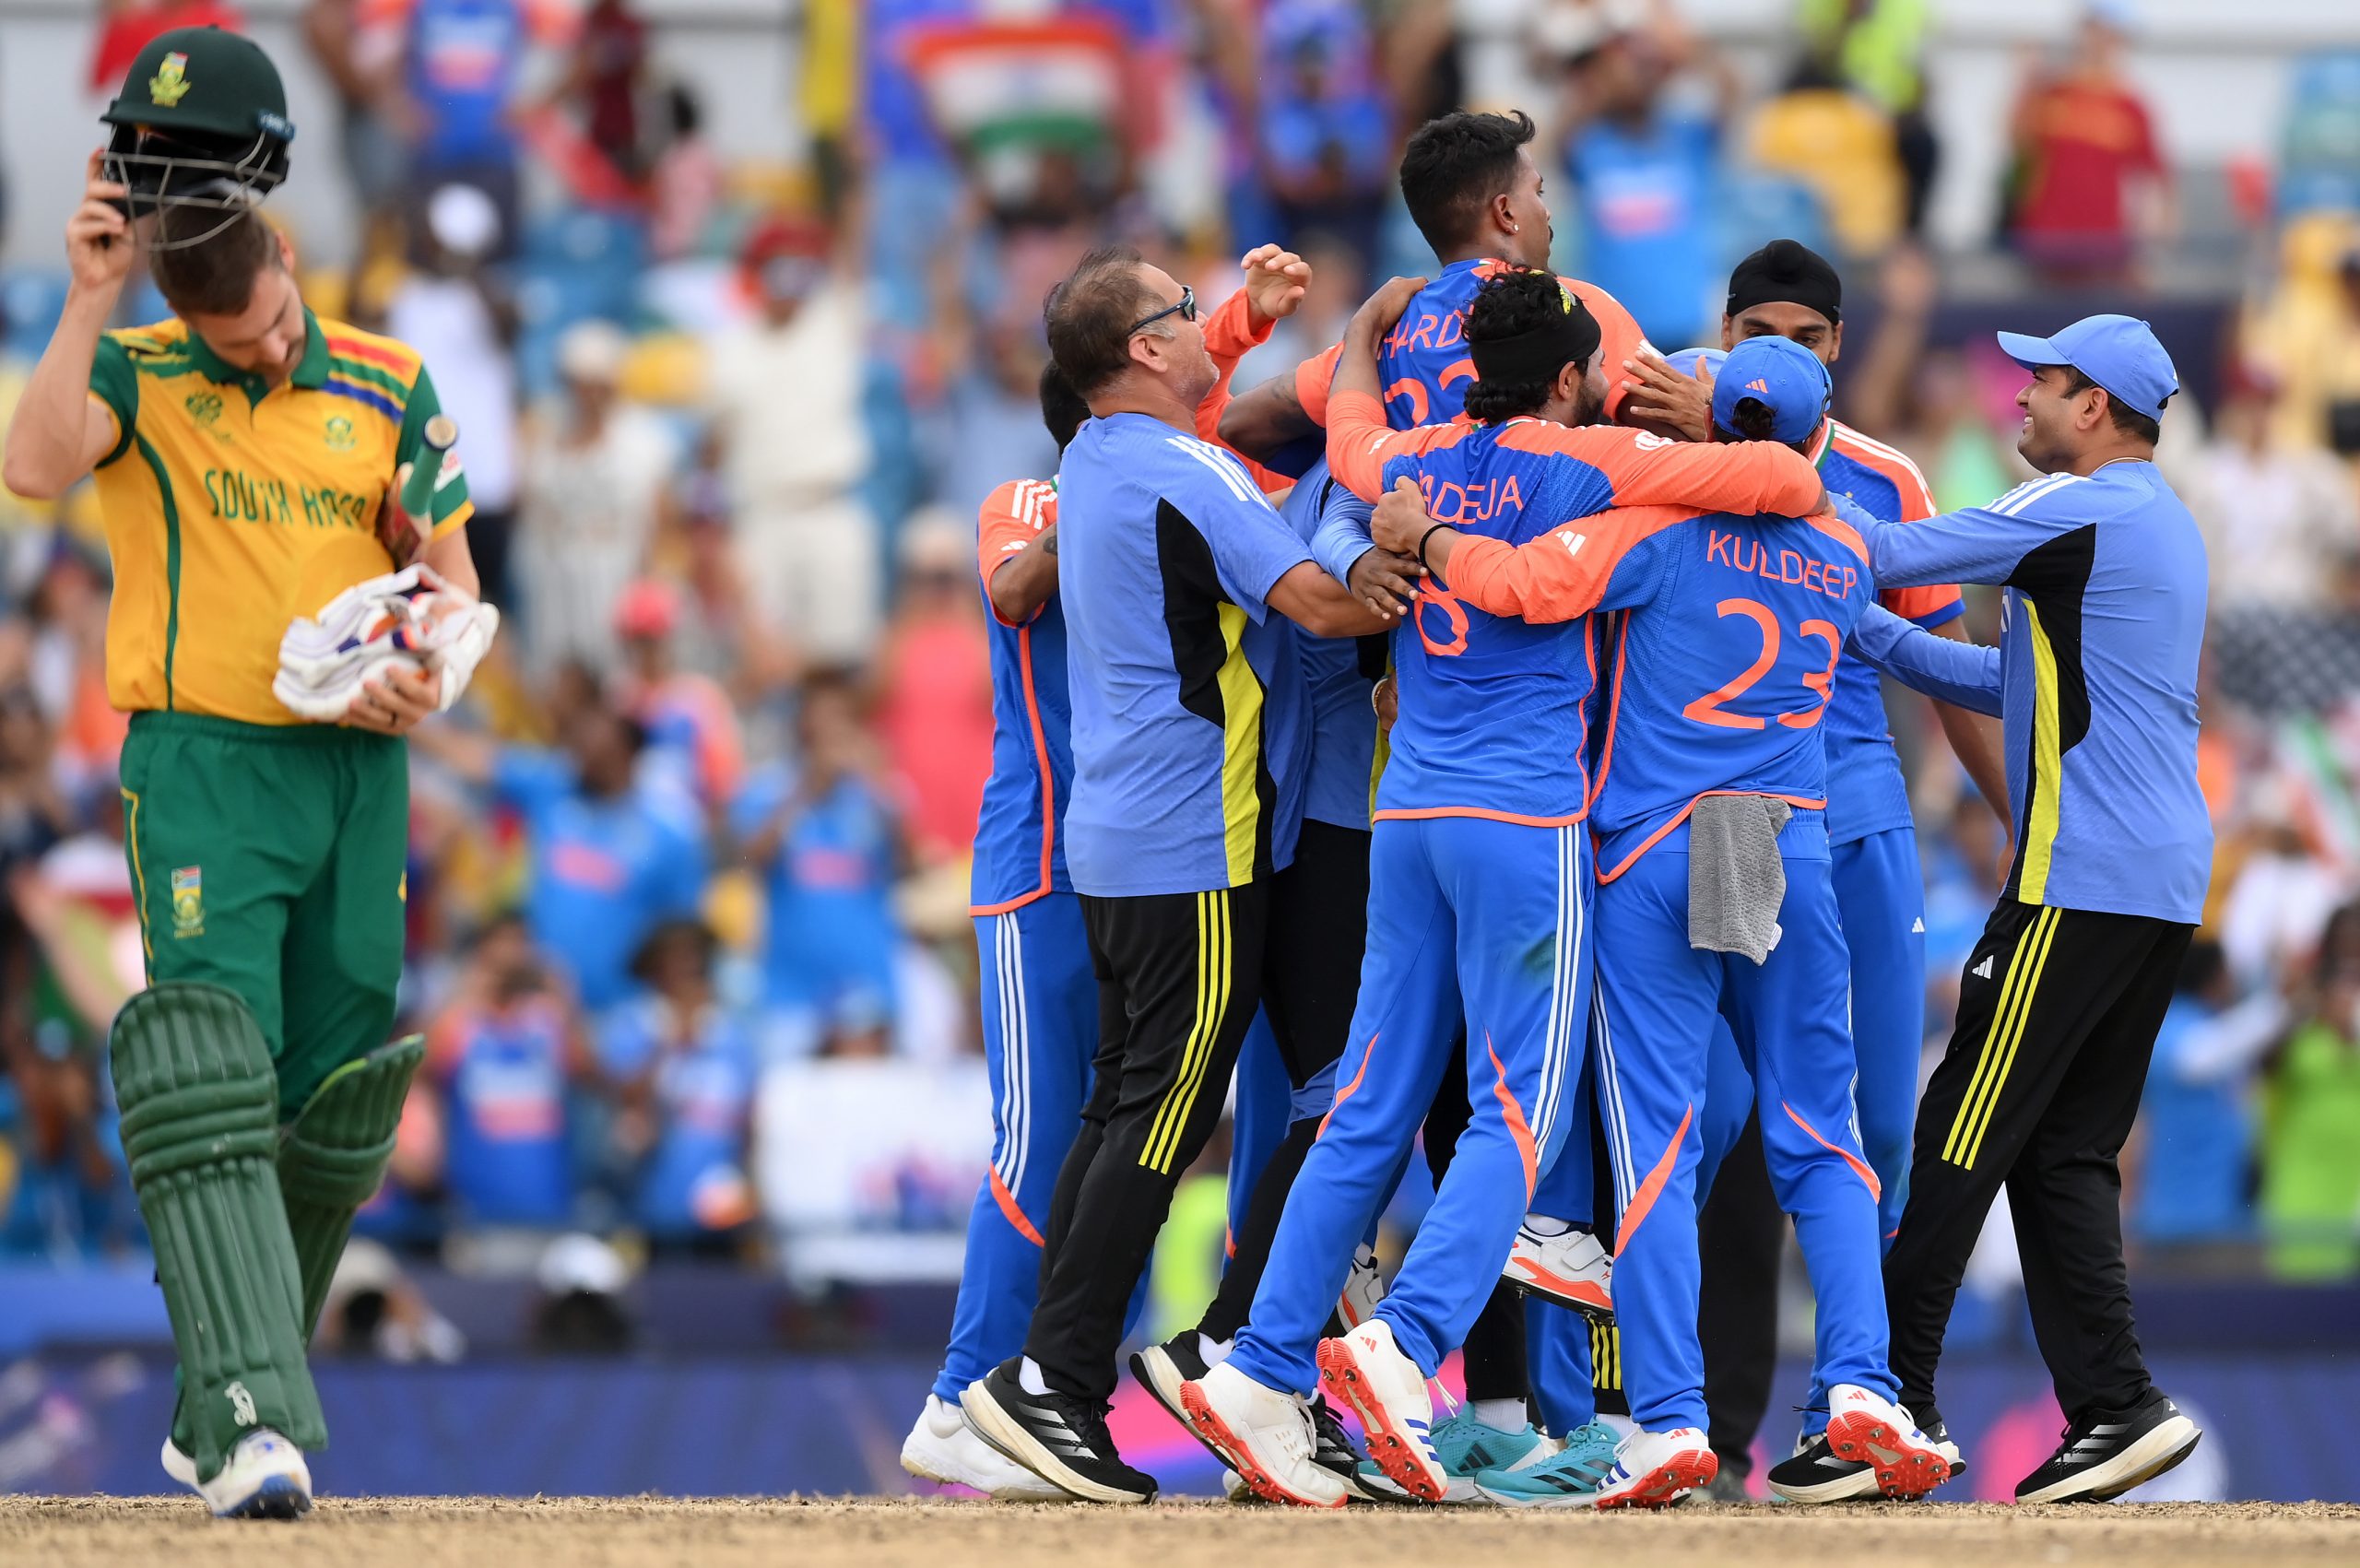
(1868, 1428)
(943, 1447)
(1653, 1469)
(1366, 1370)
(1264, 1435)
(266, 1479)
(1571, 1268)
(1363, 1287)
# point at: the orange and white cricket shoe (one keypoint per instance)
(1571, 1268)
(1367, 1372)
(1264, 1434)
(1654, 1468)
(1868, 1428)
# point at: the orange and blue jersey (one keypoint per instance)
(1020, 837)
(1727, 629)
(1722, 688)
(1484, 693)
(1425, 364)
(1866, 791)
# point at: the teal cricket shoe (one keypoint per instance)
(1467, 1449)
(1568, 1478)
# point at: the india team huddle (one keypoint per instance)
(1494, 705)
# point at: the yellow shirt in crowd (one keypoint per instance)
(232, 507)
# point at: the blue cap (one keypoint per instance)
(2119, 353)
(1780, 373)
(1697, 362)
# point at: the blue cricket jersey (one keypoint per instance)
(1189, 704)
(1493, 717)
(1019, 840)
(1424, 363)
(1341, 772)
(1867, 792)
(2094, 678)
(1724, 667)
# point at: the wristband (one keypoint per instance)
(1429, 534)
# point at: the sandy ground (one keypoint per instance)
(547, 1532)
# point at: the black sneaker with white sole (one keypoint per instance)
(1061, 1438)
(1816, 1473)
(1162, 1368)
(1332, 1449)
(2109, 1452)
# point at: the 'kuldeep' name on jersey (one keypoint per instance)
(1752, 558)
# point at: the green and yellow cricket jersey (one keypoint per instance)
(232, 507)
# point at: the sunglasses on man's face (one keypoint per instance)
(1186, 310)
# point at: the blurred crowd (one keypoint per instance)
(701, 830)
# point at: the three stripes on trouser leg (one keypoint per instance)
(2001, 1041)
(1213, 965)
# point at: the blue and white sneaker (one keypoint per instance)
(1569, 1477)
(1468, 1449)
(266, 1478)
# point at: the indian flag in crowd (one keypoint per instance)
(995, 84)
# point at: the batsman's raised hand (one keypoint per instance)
(99, 241)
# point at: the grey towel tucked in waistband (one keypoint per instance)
(1737, 881)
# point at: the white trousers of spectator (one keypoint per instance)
(812, 572)
(569, 589)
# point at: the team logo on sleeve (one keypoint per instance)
(169, 84)
(340, 433)
(188, 901)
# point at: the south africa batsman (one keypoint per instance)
(247, 456)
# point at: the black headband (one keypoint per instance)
(1786, 271)
(1537, 355)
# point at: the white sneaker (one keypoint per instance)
(1363, 1287)
(943, 1447)
(1366, 1370)
(1868, 1428)
(1264, 1435)
(1652, 1469)
(266, 1479)
(1571, 1268)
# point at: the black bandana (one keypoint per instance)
(1537, 355)
(1786, 272)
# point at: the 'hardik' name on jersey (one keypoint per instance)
(1754, 559)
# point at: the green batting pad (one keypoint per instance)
(333, 1155)
(200, 1133)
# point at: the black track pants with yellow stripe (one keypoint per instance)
(2057, 1018)
(1179, 978)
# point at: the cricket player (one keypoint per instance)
(1786, 289)
(1480, 853)
(1478, 197)
(247, 457)
(2095, 680)
(1040, 1002)
(1715, 898)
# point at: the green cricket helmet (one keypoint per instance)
(201, 123)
